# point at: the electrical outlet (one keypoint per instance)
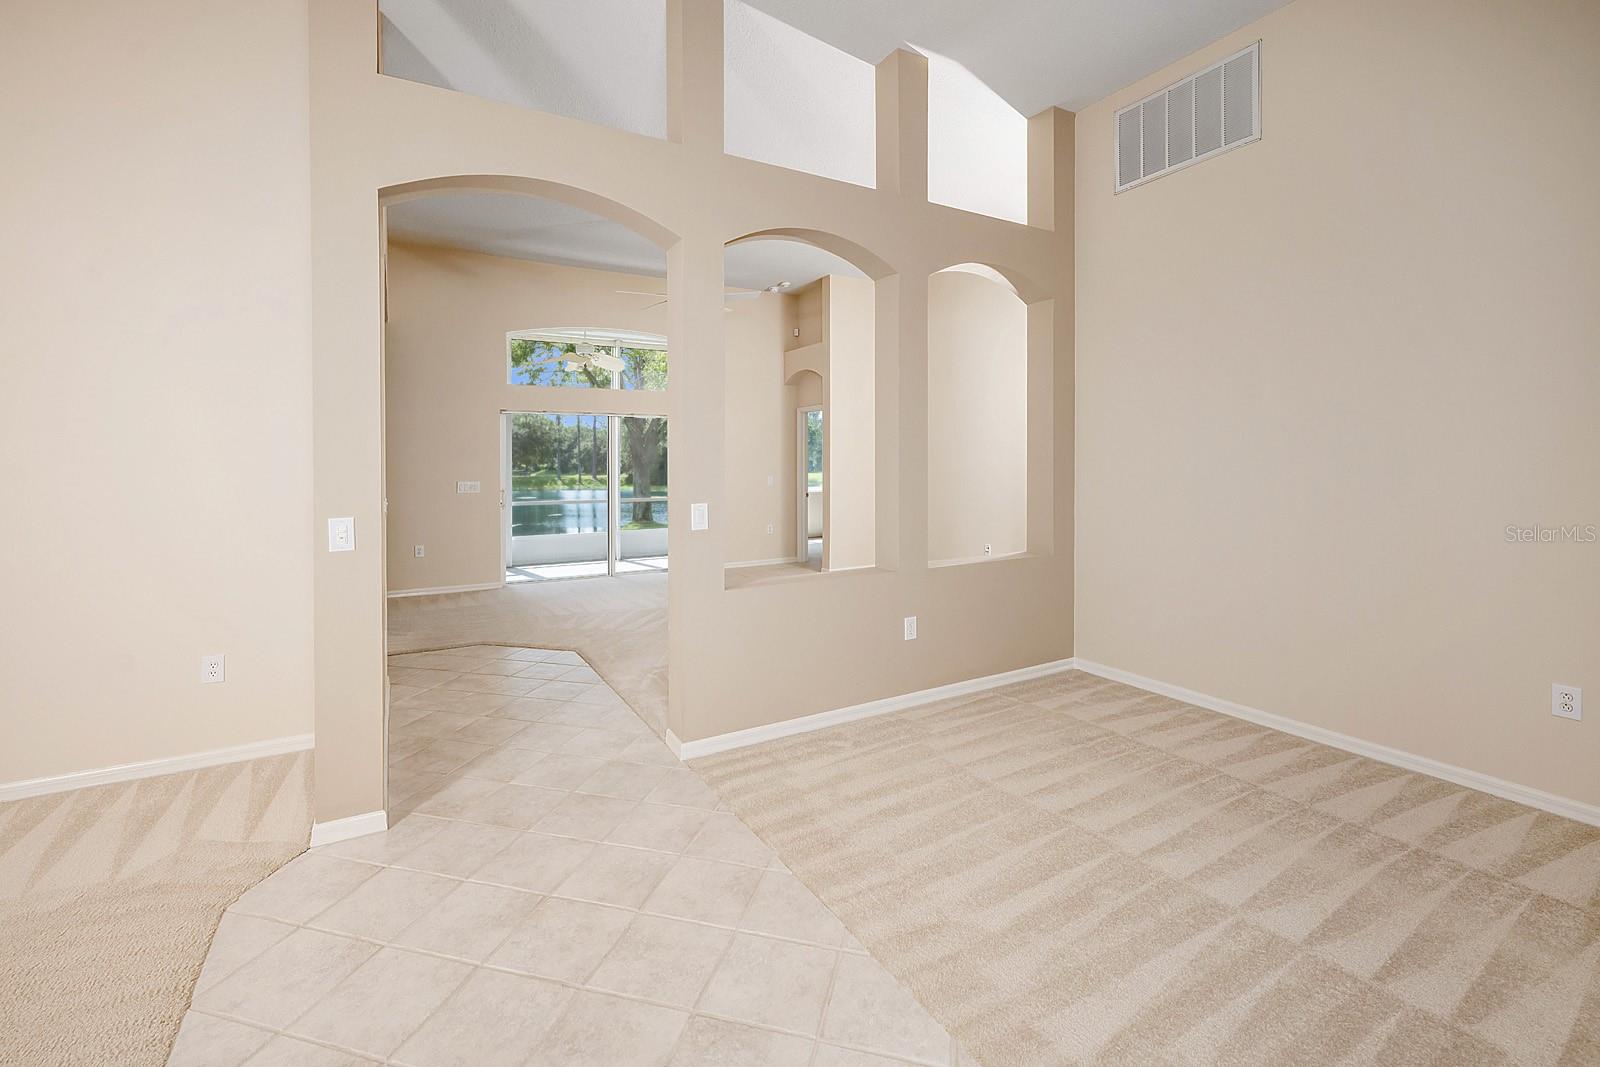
(769, 527)
(911, 627)
(772, 479)
(420, 552)
(213, 669)
(987, 549)
(1566, 701)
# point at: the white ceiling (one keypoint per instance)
(1034, 53)
(525, 227)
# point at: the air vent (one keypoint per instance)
(1201, 116)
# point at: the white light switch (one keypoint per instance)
(700, 516)
(341, 535)
(468, 487)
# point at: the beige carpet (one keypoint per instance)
(1074, 871)
(619, 625)
(109, 898)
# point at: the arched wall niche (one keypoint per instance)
(979, 356)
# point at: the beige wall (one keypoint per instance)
(155, 381)
(1319, 376)
(977, 418)
(737, 658)
(848, 426)
(445, 387)
(760, 428)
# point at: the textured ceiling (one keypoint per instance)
(1034, 53)
(525, 227)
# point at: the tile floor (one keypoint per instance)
(556, 889)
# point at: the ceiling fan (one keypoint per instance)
(585, 354)
(727, 294)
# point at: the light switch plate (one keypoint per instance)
(342, 535)
(469, 487)
(699, 516)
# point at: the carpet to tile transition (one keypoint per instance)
(109, 898)
(1069, 870)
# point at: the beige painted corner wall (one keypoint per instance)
(445, 388)
(977, 418)
(1319, 376)
(849, 430)
(155, 381)
(760, 431)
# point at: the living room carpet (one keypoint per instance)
(1070, 870)
(109, 898)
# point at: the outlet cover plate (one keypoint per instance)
(213, 669)
(911, 627)
(1566, 702)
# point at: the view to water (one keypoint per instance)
(537, 512)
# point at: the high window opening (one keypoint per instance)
(587, 359)
(977, 144)
(602, 61)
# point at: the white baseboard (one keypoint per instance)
(478, 588)
(336, 830)
(706, 746)
(1534, 798)
(127, 772)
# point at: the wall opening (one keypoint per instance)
(800, 367)
(977, 144)
(794, 101)
(602, 61)
(977, 417)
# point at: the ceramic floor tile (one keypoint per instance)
(283, 1051)
(405, 833)
(534, 861)
(685, 788)
(238, 940)
(206, 1041)
(783, 907)
(580, 815)
(869, 1009)
(725, 838)
(385, 904)
(662, 959)
(503, 764)
(562, 939)
(601, 744)
(471, 922)
(493, 1020)
(771, 983)
(626, 781)
(460, 849)
(303, 887)
(559, 770)
(597, 1030)
(705, 891)
(382, 1002)
(708, 1042)
(278, 986)
(659, 826)
(517, 807)
(617, 875)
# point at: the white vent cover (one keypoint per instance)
(1201, 116)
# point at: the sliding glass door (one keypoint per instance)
(583, 495)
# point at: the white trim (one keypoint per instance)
(336, 830)
(127, 772)
(674, 744)
(1534, 798)
(478, 588)
(706, 746)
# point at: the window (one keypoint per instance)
(587, 359)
